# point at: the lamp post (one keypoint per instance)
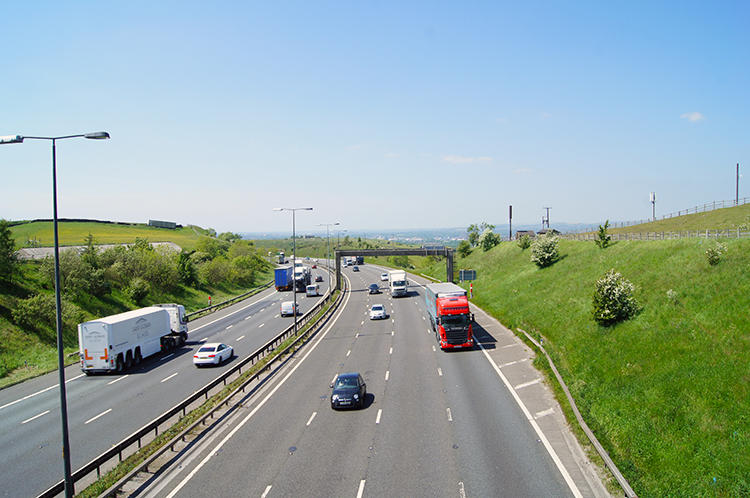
(328, 250)
(58, 312)
(294, 257)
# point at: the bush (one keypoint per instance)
(488, 239)
(464, 248)
(544, 250)
(138, 290)
(713, 254)
(524, 242)
(613, 299)
(38, 313)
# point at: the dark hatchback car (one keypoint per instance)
(374, 289)
(349, 391)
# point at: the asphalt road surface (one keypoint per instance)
(476, 423)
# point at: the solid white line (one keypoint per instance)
(118, 379)
(537, 429)
(215, 451)
(265, 493)
(311, 418)
(168, 356)
(100, 415)
(173, 375)
(361, 488)
(32, 418)
(377, 419)
(239, 338)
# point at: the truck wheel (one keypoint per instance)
(129, 360)
(137, 357)
(183, 339)
(118, 364)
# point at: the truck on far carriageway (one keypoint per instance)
(117, 342)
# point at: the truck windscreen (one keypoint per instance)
(454, 320)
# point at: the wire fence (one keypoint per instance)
(734, 233)
(694, 210)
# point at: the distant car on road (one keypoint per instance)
(213, 353)
(374, 289)
(377, 312)
(355, 268)
(349, 390)
(319, 278)
(384, 277)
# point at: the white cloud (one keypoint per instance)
(463, 160)
(693, 116)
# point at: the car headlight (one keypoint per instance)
(335, 397)
(356, 396)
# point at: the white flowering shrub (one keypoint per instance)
(488, 239)
(713, 254)
(544, 250)
(613, 299)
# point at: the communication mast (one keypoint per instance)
(545, 219)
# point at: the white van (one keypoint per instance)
(287, 308)
(312, 290)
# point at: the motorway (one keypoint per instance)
(476, 423)
(105, 409)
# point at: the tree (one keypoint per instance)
(464, 248)
(476, 231)
(7, 252)
(524, 242)
(603, 238)
(488, 239)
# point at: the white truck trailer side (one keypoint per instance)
(114, 343)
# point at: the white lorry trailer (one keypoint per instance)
(114, 343)
(398, 283)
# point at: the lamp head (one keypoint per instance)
(99, 135)
(11, 139)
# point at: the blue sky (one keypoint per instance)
(378, 115)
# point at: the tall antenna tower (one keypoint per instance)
(545, 219)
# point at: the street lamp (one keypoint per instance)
(328, 250)
(17, 139)
(294, 257)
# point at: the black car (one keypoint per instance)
(374, 289)
(319, 278)
(349, 391)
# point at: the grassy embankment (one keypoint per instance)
(667, 392)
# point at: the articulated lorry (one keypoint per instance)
(117, 342)
(284, 278)
(302, 276)
(398, 283)
(450, 316)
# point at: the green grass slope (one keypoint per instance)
(74, 233)
(667, 392)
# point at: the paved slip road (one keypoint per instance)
(434, 423)
(104, 409)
